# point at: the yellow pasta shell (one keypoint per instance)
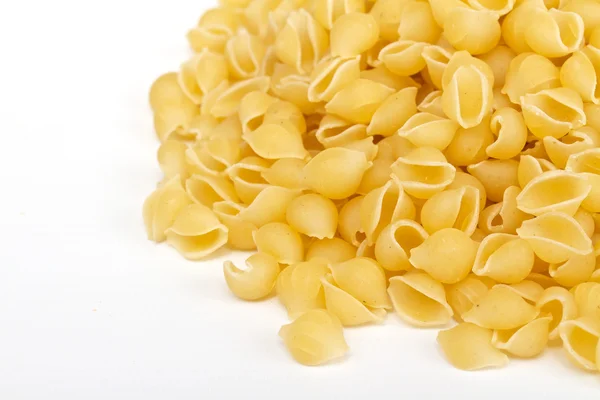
(503, 217)
(463, 295)
(207, 190)
(527, 341)
(587, 164)
(364, 279)
(462, 179)
(556, 33)
(313, 215)
(394, 243)
(529, 73)
(252, 110)
(496, 176)
(559, 303)
(394, 112)
(331, 75)
(247, 177)
(476, 31)
(580, 339)
(436, 59)
(281, 242)
(530, 167)
(587, 299)
(299, 287)
(286, 172)
(256, 281)
(510, 130)
(458, 208)
(349, 221)
(442, 8)
(270, 205)
(202, 73)
(403, 57)
(429, 130)
(504, 258)
(364, 29)
(334, 250)
(171, 158)
(468, 146)
(575, 270)
(417, 23)
(245, 53)
(579, 73)
(328, 11)
(359, 100)
(240, 232)
(274, 142)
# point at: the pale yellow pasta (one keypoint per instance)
(417, 23)
(476, 31)
(349, 310)
(254, 282)
(286, 172)
(542, 279)
(574, 142)
(334, 131)
(213, 30)
(577, 269)
(531, 167)
(227, 99)
(499, 59)
(162, 207)
(213, 156)
(456, 208)
(196, 232)
(328, 11)
(580, 339)
(274, 141)
(429, 130)
(336, 173)
(419, 299)
(394, 112)
(424, 172)
(382, 206)
(469, 347)
(442, 8)
(587, 164)
(247, 177)
(207, 190)
(392, 147)
(205, 126)
(555, 33)
(393, 245)
(299, 287)
(558, 190)
(501, 100)
(448, 255)
(349, 221)
(281, 242)
(365, 249)
(270, 205)
(245, 53)
(202, 73)
(587, 299)
(588, 10)
(508, 126)
(253, 107)
(503, 257)
(560, 303)
(384, 76)
(595, 276)
(388, 14)
(432, 104)
(469, 145)
(313, 215)
(505, 216)
(314, 338)
(586, 220)
(332, 250)
(403, 57)
(529, 73)
(302, 42)
(501, 7)
(462, 179)
(436, 59)
(359, 100)
(366, 146)
(517, 22)
(363, 28)
(171, 159)
(526, 341)
(363, 279)
(463, 295)
(376, 176)
(580, 73)
(290, 86)
(286, 114)
(174, 121)
(331, 75)
(501, 308)
(240, 232)
(496, 176)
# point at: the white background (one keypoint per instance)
(91, 310)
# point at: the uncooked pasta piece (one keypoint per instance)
(587, 299)
(559, 303)
(580, 73)
(504, 258)
(447, 255)
(419, 299)
(174, 121)
(530, 167)
(252, 110)
(586, 220)
(588, 10)
(432, 104)
(429, 130)
(555, 237)
(240, 232)
(503, 217)
(576, 141)
(227, 100)
(469, 347)
(577, 269)
(587, 164)
(313, 215)
(205, 126)
(394, 243)
(417, 23)
(530, 73)
(207, 190)
(349, 221)
(247, 177)
(334, 250)
(328, 11)
(245, 53)
(499, 59)
(469, 146)
(334, 131)
(281, 242)
(442, 8)
(463, 295)
(473, 30)
(376, 176)
(529, 290)
(162, 207)
(384, 76)
(359, 100)
(394, 113)
(196, 232)
(364, 279)
(299, 287)
(366, 146)
(527, 341)
(580, 339)
(555, 33)
(286, 172)
(349, 310)
(314, 338)
(501, 308)
(165, 92)
(331, 75)
(457, 208)
(202, 73)
(365, 250)
(254, 282)
(270, 205)
(362, 27)
(290, 86)
(213, 30)
(287, 115)
(516, 23)
(496, 176)
(336, 173)
(403, 57)
(171, 158)
(382, 206)
(424, 172)
(272, 141)
(388, 13)
(508, 126)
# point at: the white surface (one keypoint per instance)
(91, 310)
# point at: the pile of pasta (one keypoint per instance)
(439, 159)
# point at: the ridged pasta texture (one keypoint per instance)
(438, 160)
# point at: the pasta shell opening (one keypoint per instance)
(463, 295)
(580, 340)
(299, 287)
(429, 130)
(403, 57)
(240, 234)
(393, 246)
(560, 304)
(364, 279)
(208, 190)
(527, 341)
(256, 281)
(460, 210)
(504, 258)
(332, 75)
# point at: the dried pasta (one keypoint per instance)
(254, 282)
(313, 215)
(281, 242)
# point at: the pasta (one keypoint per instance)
(458, 208)
(349, 221)
(394, 243)
(330, 76)
(496, 176)
(575, 270)
(559, 303)
(270, 205)
(273, 142)
(245, 54)
(240, 232)
(334, 250)
(586, 164)
(508, 126)
(436, 59)
(208, 190)
(432, 104)
(256, 281)
(556, 33)
(529, 290)
(573, 142)
(363, 279)
(359, 100)
(463, 295)
(299, 287)
(529, 73)
(279, 241)
(579, 73)
(337, 132)
(503, 217)
(587, 299)
(403, 57)
(327, 12)
(171, 159)
(417, 23)
(474, 30)
(202, 73)
(469, 145)
(580, 339)
(213, 30)
(253, 107)
(247, 177)
(588, 11)
(363, 27)
(531, 167)
(394, 113)
(494, 253)
(286, 172)
(526, 341)
(429, 130)
(499, 58)
(313, 215)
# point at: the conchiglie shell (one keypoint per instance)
(240, 232)
(174, 122)
(281, 242)
(388, 13)
(500, 7)
(359, 100)
(586, 220)
(447, 255)
(383, 206)
(531, 167)
(299, 287)
(313, 215)
(365, 250)
(541, 279)
(503, 217)
(530, 73)
(336, 173)
(314, 338)
(331, 75)
(328, 11)
(288, 85)
(432, 104)
(555, 237)
(442, 8)
(363, 28)
(463, 295)
(559, 191)
(501, 308)
(574, 142)
(529, 290)
(429, 130)
(165, 92)
(458, 208)
(287, 115)
(469, 146)
(214, 29)
(424, 172)
(580, 339)
(270, 205)
(247, 177)
(393, 245)
(335, 131)
(274, 142)
(527, 341)
(386, 77)
(575, 270)
(366, 146)
(196, 232)
(553, 112)
(436, 59)
(363, 279)
(588, 10)
(204, 127)
(587, 299)
(517, 22)
(202, 73)
(392, 147)
(556, 33)
(579, 73)
(496, 176)
(501, 101)
(559, 303)
(404, 57)
(255, 282)
(171, 159)
(252, 110)
(349, 310)
(286, 172)
(469, 347)
(504, 258)
(245, 54)
(510, 130)
(376, 176)
(334, 250)
(207, 190)
(587, 164)
(349, 221)
(394, 112)
(228, 101)
(476, 31)
(462, 179)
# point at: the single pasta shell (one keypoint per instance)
(240, 232)
(364, 279)
(575, 270)
(208, 190)
(313, 215)
(281, 242)
(247, 177)
(333, 250)
(457, 208)
(530, 73)
(256, 281)
(556, 33)
(574, 142)
(332, 75)
(274, 142)
(504, 258)
(474, 30)
(228, 100)
(393, 113)
(527, 341)
(580, 339)
(496, 176)
(359, 100)
(530, 167)
(559, 303)
(587, 164)
(395, 242)
(364, 26)
(587, 299)
(299, 287)
(403, 57)
(436, 59)
(529, 290)
(429, 130)
(463, 295)
(269, 206)
(509, 127)
(579, 73)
